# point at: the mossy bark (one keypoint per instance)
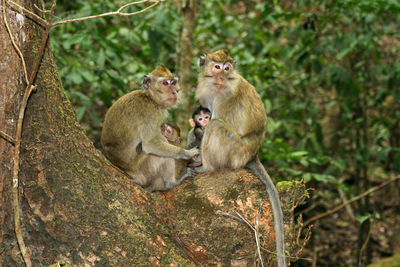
(77, 207)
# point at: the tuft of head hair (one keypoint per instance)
(161, 71)
(200, 109)
(220, 56)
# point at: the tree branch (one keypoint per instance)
(118, 12)
(329, 212)
(7, 137)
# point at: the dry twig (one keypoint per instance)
(118, 12)
(334, 210)
(7, 137)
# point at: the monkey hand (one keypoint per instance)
(188, 154)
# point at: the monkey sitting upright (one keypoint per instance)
(136, 118)
(236, 131)
(200, 118)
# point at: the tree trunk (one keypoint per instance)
(189, 10)
(76, 206)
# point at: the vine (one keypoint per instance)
(16, 141)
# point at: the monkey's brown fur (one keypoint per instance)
(236, 131)
(220, 56)
(161, 173)
(136, 117)
(161, 71)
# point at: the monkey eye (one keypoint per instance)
(218, 66)
(227, 67)
(168, 82)
(200, 119)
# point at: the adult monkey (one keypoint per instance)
(236, 130)
(136, 118)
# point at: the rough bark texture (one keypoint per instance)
(76, 206)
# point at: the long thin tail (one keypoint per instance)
(258, 169)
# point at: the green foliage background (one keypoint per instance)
(328, 73)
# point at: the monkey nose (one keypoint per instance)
(220, 81)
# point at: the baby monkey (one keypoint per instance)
(170, 131)
(200, 118)
(163, 173)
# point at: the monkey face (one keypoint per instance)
(162, 86)
(168, 86)
(221, 73)
(202, 119)
(163, 90)
(171, 134)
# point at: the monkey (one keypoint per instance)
(236, 131)
(200, 118)
(136, 118)
(170, 131)
(162, 173)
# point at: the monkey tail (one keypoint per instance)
(258, 169)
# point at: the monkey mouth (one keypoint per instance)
(219, 85)
(172, 100)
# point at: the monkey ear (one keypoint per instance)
(146, 82)
(202, 60)
(191, 122)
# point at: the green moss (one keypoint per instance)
(286, 186)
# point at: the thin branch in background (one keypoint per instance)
(366, 193)
(306, 238)
(8, 138)
(349, 209)
(364, 246)
(118, 12)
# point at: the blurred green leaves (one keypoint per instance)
(328, 72)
